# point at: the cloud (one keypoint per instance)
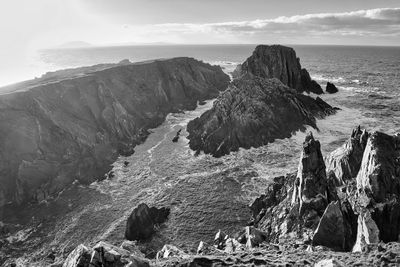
(382, 22)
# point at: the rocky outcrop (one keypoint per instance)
(71, 125)
(379, 175)
(345, 162)
(281, 62)
(311, 184)
(367, 231)
(331, 88)
(142, 222)
(336, 229)
(253, 112)
(305, 218)
(361, 210)
(104, 255)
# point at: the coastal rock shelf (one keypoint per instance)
(71, 125)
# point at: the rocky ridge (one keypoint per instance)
(263, 103)
(252, 112)
(71, 125)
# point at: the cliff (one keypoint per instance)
(253, 112)
(70, 125)
(281, 62)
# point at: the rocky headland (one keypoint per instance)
(263, 103)
(252, 112)
(281, 62)
(72, 124)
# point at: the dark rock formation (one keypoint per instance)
(176, 137)
(281, 62)
(143, 220)
(336, 230)
(331, 88)
(253, 112)
(345, 161)
(73, 124)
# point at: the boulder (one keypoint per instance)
(331, 88)
(220, 240)
(335, 230)
(329, 263)
(142, 222)
(169, 251)
(80, 256)
(254, 237)
(253, 112)
(104, 255)
(387, 218)
(281, 62)
(345, 161)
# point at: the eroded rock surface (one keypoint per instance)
(281, 62)
(253, 112)
(71, 125)
(345, 162)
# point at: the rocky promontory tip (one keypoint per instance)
(281, 62)
(252, 112)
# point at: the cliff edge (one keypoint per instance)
(72, 127)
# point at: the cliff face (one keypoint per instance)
(281, 62)
(253, 112)
(73, 128)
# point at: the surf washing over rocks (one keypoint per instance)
(343, 209)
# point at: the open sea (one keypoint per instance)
(205, 193)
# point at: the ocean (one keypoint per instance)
(206, 194)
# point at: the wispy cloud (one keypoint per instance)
(382, 22)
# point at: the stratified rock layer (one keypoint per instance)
(281, 62)
(71, 125)
(253, 112)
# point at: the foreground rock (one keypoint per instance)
(345, 162)
(70, 125)
(104, 255)
(142, 222)
(253, 112)
(331, 88)
(281, 62)
(308, 219)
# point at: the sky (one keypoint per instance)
(29, 25)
